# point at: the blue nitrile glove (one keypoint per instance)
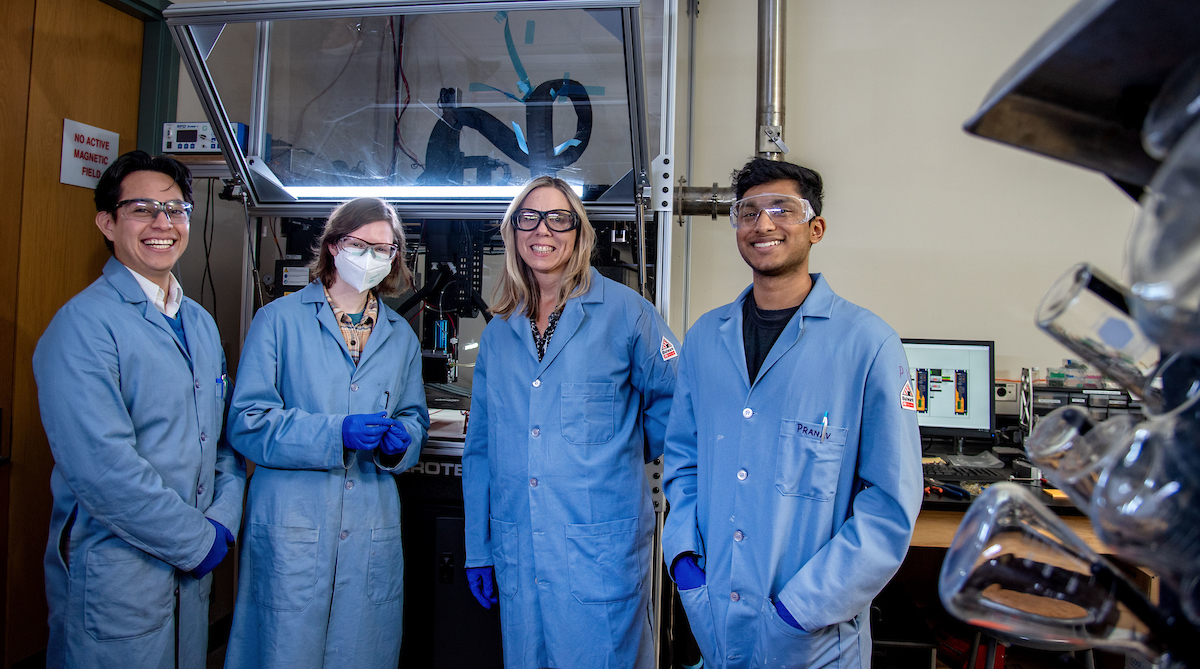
(687, 573)
(482, 581)
(786, 615)
(215, 554)
(395, 440)
(362, 431)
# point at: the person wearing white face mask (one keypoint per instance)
(330, 405)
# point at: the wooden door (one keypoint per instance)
(85, 64)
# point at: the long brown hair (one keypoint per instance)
(517, 285)
(345, 220)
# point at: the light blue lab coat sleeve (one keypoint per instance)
(477, 476)
(653, 375)
(843, 577)
(681, 534)
(93, 439)
(229, 478)
(261, 427)
(410, 410)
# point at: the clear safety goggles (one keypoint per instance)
(145, 210)
(780, 208)
(357, 247)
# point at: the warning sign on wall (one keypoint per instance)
(86, 153)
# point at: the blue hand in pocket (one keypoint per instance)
(687, 573)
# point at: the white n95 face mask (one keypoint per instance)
(363, 272)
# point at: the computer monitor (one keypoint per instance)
(952, 386)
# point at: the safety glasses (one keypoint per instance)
(357, 247)
(780, 208)
(558, 220)
(146, 210)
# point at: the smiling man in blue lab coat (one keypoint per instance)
(792, 453)
(132, 388)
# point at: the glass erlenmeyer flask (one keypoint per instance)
(1071, 448)
(1015, 568)
(1146, 504)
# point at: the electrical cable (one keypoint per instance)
(399, 79)
(278, 248)
(304, 109)
(206, 236)
(253, 248)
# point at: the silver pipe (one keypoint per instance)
(693, 10)
(771, 56)
(703, 201)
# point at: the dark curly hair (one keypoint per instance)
(760, 171)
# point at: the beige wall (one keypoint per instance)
(943, 234)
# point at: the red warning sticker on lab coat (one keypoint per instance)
(667, 349)
(907, 399)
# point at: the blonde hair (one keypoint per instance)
(517, 285)
(344, 221)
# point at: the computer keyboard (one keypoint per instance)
(952, 473)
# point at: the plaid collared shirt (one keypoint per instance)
(356, 335)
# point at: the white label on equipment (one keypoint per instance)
(295, 276)
(86, 153)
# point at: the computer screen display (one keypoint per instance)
(951, 385)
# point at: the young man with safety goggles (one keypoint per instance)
(132, 388)
(792, 459)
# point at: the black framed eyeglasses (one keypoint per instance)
(357, 247)
(557, 220)
(146, 210)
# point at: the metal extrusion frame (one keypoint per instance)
(196, 26)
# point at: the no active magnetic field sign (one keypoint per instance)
(86, 153)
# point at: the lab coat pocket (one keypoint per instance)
(113, 608)
(505, 554)
(283, 566)
(807, 464)
(781, 646)
(602, 561)
(385, 570)
(700, 619)
(588, 412)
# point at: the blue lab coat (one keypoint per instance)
(322, 566)
(775, 509)
(134, 419)
(554, 481)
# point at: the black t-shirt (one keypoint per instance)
(760, 330)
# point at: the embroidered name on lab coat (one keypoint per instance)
(808, 431)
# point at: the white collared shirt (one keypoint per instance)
(166, 302)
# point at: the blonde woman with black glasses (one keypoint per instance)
(570, 398)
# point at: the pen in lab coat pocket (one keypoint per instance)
(824, 426)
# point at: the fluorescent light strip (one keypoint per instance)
(411, 192)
